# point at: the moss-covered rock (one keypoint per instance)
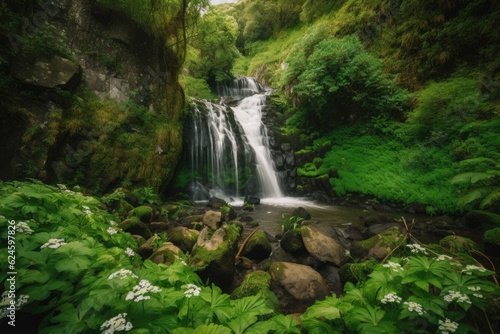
(258, 246)
(143, 212)
(257, 283)
(378, 246)
(357, 272)
(183, 237)
(133, 225)
(292, 243)
(457, 244)
(166, 254)
(213, 256)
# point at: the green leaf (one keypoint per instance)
(314, 326)
(284, 324)
(242, 322)
(327, 309)
(203, 329)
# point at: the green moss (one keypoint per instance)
(457, 244)
(133, 225)
(252, 284)
(277, 270)
(357, 272)
(144, 213)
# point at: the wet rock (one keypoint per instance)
(252, 200)
(302, 282)
(143, 212)
(322, 247)
(183, 237)
(292, 243)
(216, 203)
(258, 246)
(457, 244)
(378, 246)
(301, 213)
(212, 219)
(166, 254)
(133, 225)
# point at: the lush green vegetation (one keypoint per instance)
(394, 89)
(77, 272)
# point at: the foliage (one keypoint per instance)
(291, 224)
(146, 195)
(78, 272)
(492, 236)
(339, 81)
(483, 181)
(444, 107)
(418, 294)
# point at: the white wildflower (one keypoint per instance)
(191, 290)
(5, 302)
(447, 325)
(129, 251)
(395, 266)
(456, 296)
(471, 267)
(112, 230)
(474, 288)
(414, 307)
(443, 257)
(183, 263)
(417, 249)
(391, 298)
(86, 210)
(53, 243)
(116, 324)
(62, 186)
(122, 273)
(138, 292)
(23, 227)
(70, 192)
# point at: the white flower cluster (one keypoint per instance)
(86, 210)
(129, 251)
(21, 300)
(122, 273)
(139, 291)
(417, 249)
(23, 227)
(191, 290)
(455, 295)
(53, 243)
(471, 267)
(475, 289)
(391, 298)
(447, 326)
(414, 307)
(395, 266)
(116, 324)
(443, 257)
(112, 230)
(113, 223)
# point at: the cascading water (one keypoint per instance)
(228, 146)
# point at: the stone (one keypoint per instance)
(378, 246)
(133, 225)
(292, 243)
(322, 247)
(183, 237)
(143, 212)
(258, 246)
(252, 200)
(302, 282)
(212, 219)
(166, 254)
(46, 72)
(301, 213)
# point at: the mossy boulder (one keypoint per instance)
(183, 237)
(213, 256)
(292, 243)
(378, 246)
(457, 244)
(166, 254)
(134, 225)
(492, 242)
(143, 212)
(258, 246)
(257, 283)
(212, 219)
(357, 272)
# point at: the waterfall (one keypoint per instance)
(228, 145)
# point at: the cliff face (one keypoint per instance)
(84, 96)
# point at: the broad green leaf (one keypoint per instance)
(203, 329)
(242, 322)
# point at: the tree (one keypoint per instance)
(336, 80)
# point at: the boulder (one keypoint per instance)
(292, 243)
(252, 200)
(258, 246)
(216, 203)
(213, 256)
(47, 72)
(133, 225)
(301, 213)
(378, 246)
(321, 246)
(143, 212)
(302, 282)
(166, 254)
(457, 244)
(257, 283)
(212, 219)
(183, 238)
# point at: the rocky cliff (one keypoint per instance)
(87, 95)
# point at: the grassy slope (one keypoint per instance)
(390, 162)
